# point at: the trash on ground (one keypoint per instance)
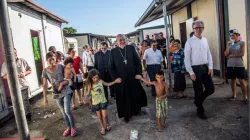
(134, 135)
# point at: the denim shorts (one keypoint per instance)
(99, 107)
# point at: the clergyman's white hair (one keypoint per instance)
(120, 36)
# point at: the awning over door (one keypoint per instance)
(155, 11)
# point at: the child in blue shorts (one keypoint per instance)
(99, 101)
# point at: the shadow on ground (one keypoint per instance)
(228, 120)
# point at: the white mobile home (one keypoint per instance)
(34, 29)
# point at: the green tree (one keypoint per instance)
(69, 30)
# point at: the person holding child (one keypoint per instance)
(54, 74)
(99, 101)
(69, 74)
(161, 99)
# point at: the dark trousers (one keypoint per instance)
(152, 69)
(164, 62)
(90, 68)
(107, 78)
(179, 82)
(202, 78)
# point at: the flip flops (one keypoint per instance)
(108, 128)
(103, 132)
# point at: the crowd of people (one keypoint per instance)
(123, 68)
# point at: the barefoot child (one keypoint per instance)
(161, 100)
(99, 101)
(69, 74)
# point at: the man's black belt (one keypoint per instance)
(154, 65)
(202, 65)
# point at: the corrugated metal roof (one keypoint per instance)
(146, 28)
(155, 11)
(35, 6)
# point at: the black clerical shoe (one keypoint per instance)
(202, 115)
(126, 119)
(28, 117)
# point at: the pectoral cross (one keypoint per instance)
(125, 61)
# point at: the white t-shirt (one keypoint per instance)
(84, 57)
(90, 60)
(22, 66)
(153, 57)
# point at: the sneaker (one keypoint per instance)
(67, 132)
(73, 132)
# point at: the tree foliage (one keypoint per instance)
(69, 30)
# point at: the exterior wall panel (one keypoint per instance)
(205, 10)
(22, 40)
(237, 19)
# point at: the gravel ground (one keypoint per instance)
(228, 120)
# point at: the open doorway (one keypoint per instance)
(37, 54)
(183, 33)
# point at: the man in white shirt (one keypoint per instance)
(199, 64)
(84, 56)
(23, 70)
(152, 59)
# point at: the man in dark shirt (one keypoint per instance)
(162, 46)
(102, 65)
(148, 40)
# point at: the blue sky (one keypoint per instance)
(107, 17)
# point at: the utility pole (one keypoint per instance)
(167, 42)
(247, 2)
(13, 81)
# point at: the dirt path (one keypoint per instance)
(227, 121)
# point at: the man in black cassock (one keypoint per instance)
(126, 65)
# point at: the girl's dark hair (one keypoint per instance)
(68, 60)
(85, 75)
(144, 41)
(69, 50)
(178, 41)
(91, 74)
(49, 54)
(172, 36)
(172, 40)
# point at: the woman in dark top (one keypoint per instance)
(178, 68)
(235, 66)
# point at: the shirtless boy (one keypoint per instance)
(69, 74)
(161, 99)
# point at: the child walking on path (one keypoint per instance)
(161, 99)
(99, 101)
